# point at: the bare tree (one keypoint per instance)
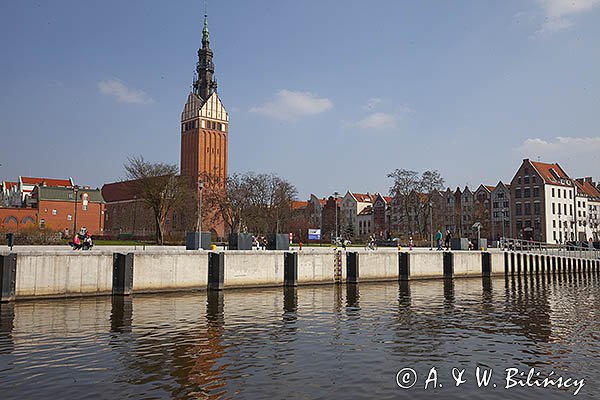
(405, 181)
(159, 187)
(259, 203)
(412, 193)
(431, 181)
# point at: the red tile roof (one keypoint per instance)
(588, 189)
(387, 199)
(10, 185)
(548, 171)
(490, 188)
(296, 205)
(119, 191)
(48, 181)
(364, 197)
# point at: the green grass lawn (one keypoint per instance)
(121, 243)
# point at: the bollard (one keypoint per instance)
(216, 271)
(486, 264)
(512, 263)
(8, 277)
(544, 266)
(403, 266)
(448, 264)
(352, 267)
(531, 264)
(290, 269)
(10, 240)
(122, 274)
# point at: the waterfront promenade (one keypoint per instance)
(34, 271)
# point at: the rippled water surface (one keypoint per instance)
(310, 342)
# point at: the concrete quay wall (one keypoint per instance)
(59, 274)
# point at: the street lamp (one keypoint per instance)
(75, 191)
(193, 240)
(431, 223)
(503, 223)
(199, 221)
(335, 196)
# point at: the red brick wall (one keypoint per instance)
(92, 218)
(15, 219)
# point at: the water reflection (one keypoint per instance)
(7, 320)
(298, 342)
(121, 314)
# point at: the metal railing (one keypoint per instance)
(569, 249)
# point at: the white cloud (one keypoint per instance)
(372, 103)
(558, 14)
(115, 87)
(377, 121)
(290, 105)
(580, 154)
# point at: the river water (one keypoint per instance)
(313, 342)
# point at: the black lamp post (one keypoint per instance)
(335, 196)
(193, 240)
(199, 221)
(75, 191)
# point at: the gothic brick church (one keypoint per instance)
(204, 131)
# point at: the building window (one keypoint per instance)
(84, 207)
(505, 204)
(552, 192)
(53, 212)
(558, 191)
(527, 192)
(526, 180)
(527, 208)
(519, 180)
(42, 223)
(495, 204)
(536, 208)
(518, 210)
(554, 223)
(553, 208)
(536, 192)
(518, 193)
(69, 217)
(533, 179)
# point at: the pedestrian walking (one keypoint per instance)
(448, 239)
(438, 238)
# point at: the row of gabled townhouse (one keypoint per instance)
(550, 206)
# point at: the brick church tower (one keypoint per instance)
(205, 126)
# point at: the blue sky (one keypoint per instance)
(331, 95)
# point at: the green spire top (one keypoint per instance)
(205, 29)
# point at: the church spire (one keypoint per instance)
(205, 84)
(205, 40)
